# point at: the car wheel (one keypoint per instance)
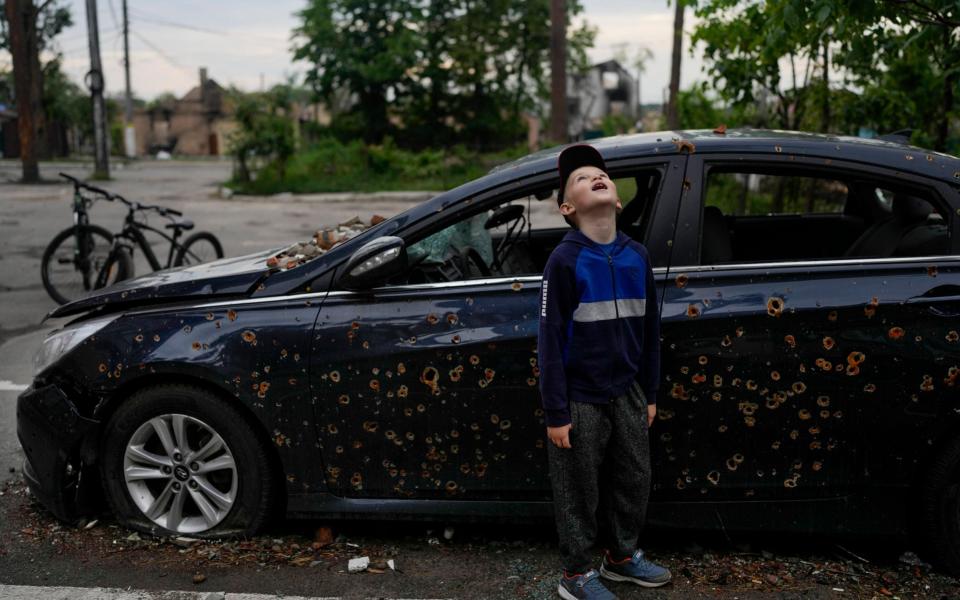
(178, 460)
(941, 499)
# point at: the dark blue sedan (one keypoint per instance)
(810, 302)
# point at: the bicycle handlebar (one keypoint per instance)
(90, 188)
(161, 210)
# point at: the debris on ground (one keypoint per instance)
(528, 566)
(324, 239)
(358, 565)
(322, 538)
(199, 578)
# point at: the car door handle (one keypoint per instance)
(935, 297)
(941, 293)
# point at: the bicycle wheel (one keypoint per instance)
(119, 266)
(200, 247)
(73, 260)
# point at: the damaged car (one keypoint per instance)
(809, 291)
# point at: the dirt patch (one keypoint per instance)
(310, 558)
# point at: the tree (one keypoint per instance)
(905, 56)
(558, 71)
(265, 133)
(367, 47)
(747, 46)
(456, 70)
(26, 30)
(897, 60)
(673, 121)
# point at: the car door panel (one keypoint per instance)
(431, 391)
(750, 403)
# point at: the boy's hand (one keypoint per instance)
(560, 436)
(651, 414)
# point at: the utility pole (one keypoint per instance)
(673, 117)
(558, 71)
(95, 82)
(129, 133)
(22, 30)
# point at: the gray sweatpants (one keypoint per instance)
(601, 485)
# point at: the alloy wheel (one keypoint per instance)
(180, 473)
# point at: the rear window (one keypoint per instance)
(743, 194)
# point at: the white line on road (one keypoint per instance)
(36, 592)
(9, 386)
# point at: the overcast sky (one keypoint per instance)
(243, 41)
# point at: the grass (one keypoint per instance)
(333, 166)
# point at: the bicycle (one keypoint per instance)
(101, 258)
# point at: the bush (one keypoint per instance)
(329, 165)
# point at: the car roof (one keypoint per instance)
(888, 153)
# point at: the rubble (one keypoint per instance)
(358, 565)
(323, 239)
(527, 566)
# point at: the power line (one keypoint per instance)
(113, 14)
(178, 25)
(167, 23)
(160, 52)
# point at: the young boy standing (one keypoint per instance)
(599, 356)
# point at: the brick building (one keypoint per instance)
(197, 124)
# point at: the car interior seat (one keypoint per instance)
(717, 246)
(884, 236)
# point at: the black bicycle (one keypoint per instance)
(87, 257)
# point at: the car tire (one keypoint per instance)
(941, 498)
(140, 475)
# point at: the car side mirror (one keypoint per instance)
(374, 263)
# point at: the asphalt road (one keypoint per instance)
(499, 561)
(31, 215)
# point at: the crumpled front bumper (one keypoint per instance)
(51, 432)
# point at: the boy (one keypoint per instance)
(599, 356)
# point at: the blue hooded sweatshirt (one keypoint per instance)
(599, 324)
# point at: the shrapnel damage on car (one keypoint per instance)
(809, 289)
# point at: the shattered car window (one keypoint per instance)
(453, 240)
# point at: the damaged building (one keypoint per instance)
(197, 124)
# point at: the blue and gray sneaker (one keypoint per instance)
(635, 569)
(583, 587)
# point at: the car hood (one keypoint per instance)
(224, 277)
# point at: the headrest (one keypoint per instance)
(910, 208)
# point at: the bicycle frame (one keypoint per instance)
(81, 218)
(133, 231)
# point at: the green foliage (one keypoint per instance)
(697, 110)
(616, 124)
(53, 19)
(365, 47)
(333, 166)
(433, 72)
(63, 99)
(265, 133)
(898, 62)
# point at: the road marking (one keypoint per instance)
(36, 592)
(9, 386)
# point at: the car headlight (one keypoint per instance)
(61, 341)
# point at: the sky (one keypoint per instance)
(246, 43)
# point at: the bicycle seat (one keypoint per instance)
(182, 224)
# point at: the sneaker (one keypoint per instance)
(583, 587)
(635, 569)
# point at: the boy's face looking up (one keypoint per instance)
(589, 193)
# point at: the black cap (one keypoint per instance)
(574, 157)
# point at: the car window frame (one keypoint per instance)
(659, 228)
(688, 247)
